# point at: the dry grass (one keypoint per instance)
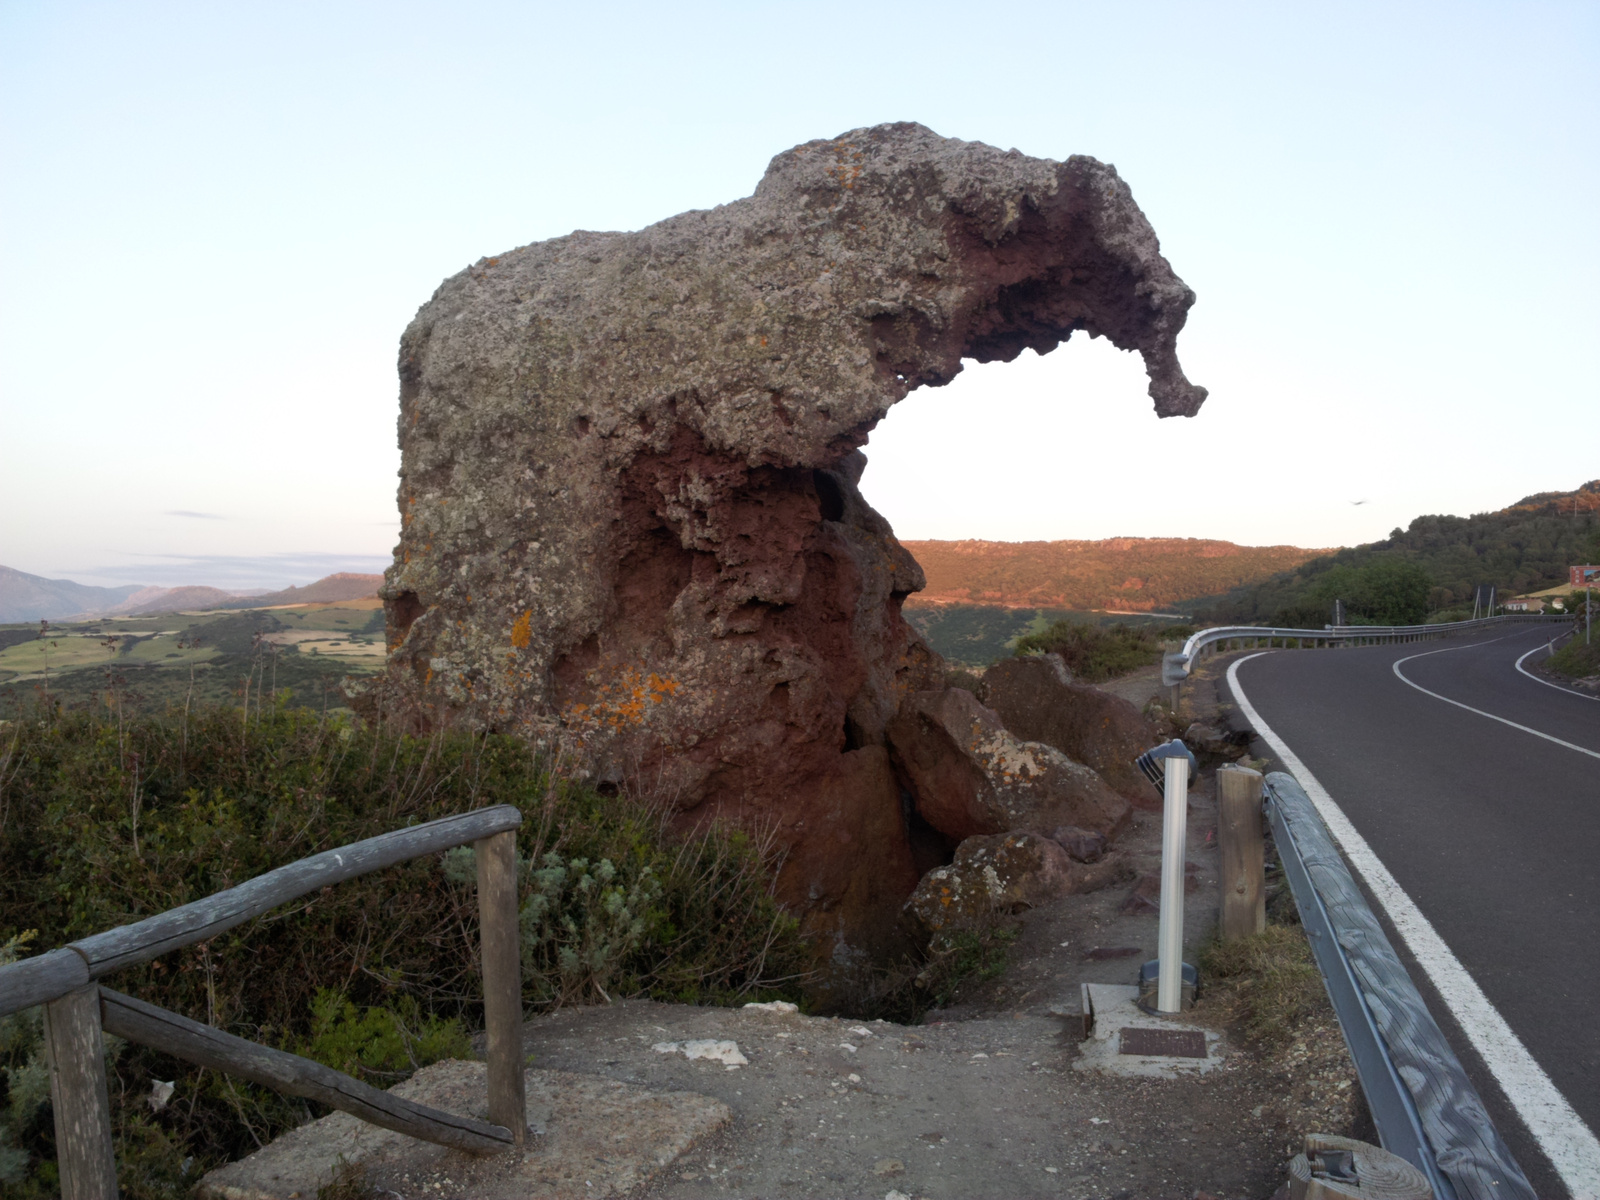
(1269, 982)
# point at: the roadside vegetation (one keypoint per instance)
(1096, 653)
(1578, 659)
(109, 814)
(1430, 569)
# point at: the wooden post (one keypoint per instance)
(502, 980)
(75, 1054)
(1244, 896)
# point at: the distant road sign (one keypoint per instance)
(1584, 576)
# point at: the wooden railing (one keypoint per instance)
(77, 1009)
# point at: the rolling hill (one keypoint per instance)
(330, 589)
(1524, 547)
(1118, 574)
(25, 597)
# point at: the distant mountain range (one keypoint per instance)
(29, 598)
(1119, 574)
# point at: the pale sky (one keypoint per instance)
(216, 219)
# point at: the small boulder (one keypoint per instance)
(1208, 740)
(1004, 873)
(1039, 701)
(969, 776)
(1000, 873)
(1083, 845)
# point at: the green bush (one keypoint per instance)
(1095, 653)
(380, 1044)
(1577, 659)
(107, 816)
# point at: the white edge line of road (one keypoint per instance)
(1572, 1148)
(1525, 729)
(1546, 682)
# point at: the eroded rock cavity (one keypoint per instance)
(631, 521)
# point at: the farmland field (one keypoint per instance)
(299, 653)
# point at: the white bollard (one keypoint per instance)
(1174, 847)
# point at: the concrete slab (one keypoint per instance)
(596, 1138)
(1114, 1008)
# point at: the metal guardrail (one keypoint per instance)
(1175, 666)
(1422, 1103)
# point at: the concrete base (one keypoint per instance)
(595, 1138)
(1109, 1009)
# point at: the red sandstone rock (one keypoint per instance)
(631, 526)
(1038, 700)
(997, 874)
(970, 776)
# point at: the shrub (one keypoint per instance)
(1577, 659)
(107, 816)
(1095, 653)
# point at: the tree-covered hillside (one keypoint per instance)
(1431, 567)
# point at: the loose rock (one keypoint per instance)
(971, 776)
(1002, 873)
(1039, 701)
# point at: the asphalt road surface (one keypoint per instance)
(1492, 830)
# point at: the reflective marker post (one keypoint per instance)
(1174, 847)
(1169, 767)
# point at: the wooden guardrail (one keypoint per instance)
(77, 1010)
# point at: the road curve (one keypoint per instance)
(1478, 786)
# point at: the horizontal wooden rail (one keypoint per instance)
(203, 919)
(41, 979)
(77, 1009)
(293, 1075)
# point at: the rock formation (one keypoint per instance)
(631, 525)
(1038, 700)
(970, 776)
(1000, 874)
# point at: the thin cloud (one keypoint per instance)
(198, 516)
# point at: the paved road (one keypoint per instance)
(1492, 830)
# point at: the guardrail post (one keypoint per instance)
(502, 980)
(75, 1054)
(1244, 896)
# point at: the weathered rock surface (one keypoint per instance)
(970, 776)
(1038, 700)
(631, 525)
(1002, 873)
(1082, 844)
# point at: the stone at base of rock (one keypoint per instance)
(971, 776)
(1003, 873)
(1039, 701)
(1084, 845)
(594, 1138)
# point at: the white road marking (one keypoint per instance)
(1546, 682)
(1570, 1145)
(1525, 728)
